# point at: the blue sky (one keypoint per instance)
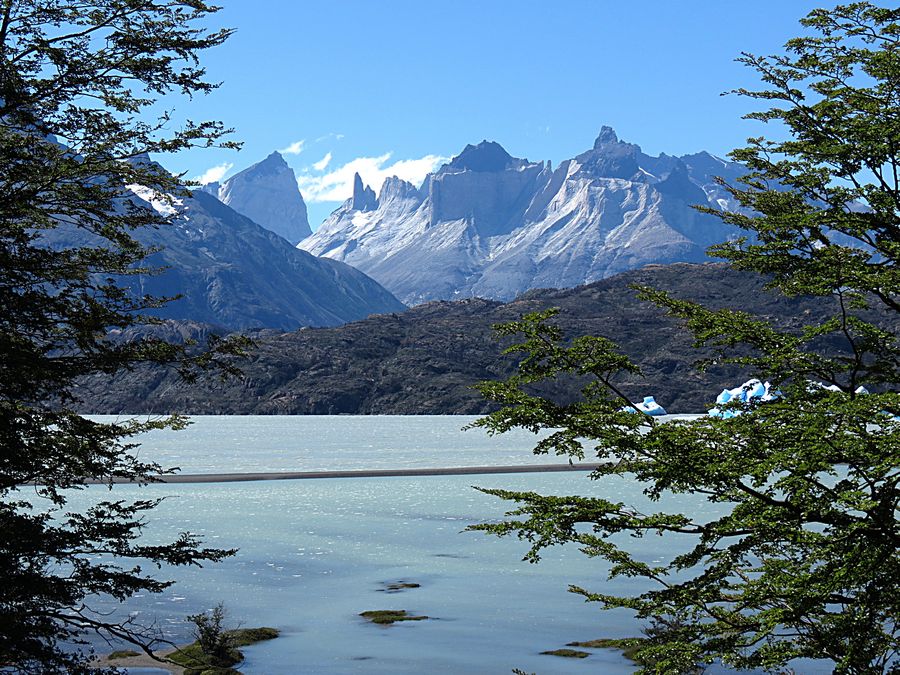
(396, 86)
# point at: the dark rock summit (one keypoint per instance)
(486, 156)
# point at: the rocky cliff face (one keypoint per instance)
(267, 194)
(490, 225)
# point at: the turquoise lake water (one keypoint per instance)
(320, 443)
(315, 553)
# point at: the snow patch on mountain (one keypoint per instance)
(165, 205)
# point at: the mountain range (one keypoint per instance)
(485, 224)
(232, 272)
(490, 225)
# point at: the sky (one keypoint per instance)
(397, 87)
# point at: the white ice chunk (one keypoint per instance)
(648, 406)
(751, 389)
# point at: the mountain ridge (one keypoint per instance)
(487, 224)
(222, 268)
(426, 360)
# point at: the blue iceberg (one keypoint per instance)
(746, 393)
(648, 406)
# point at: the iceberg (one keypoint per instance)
(751, 390)
(648, 406)
(859, 391)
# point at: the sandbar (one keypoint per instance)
(361, 473)
(141, 661)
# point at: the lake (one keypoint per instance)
(315, 553)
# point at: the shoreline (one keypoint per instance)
(359, 473)
(142, 661)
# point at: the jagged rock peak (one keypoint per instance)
(395, 187)
(274, 163)
(364, 198)
(607, 136)
(610, 157)
(487, 156)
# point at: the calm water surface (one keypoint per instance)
(230, 443)
(314, 554)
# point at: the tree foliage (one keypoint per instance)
(78, 80)
(799, 558)
(212, 637)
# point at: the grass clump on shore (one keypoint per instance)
(244, 637)
(122, 654)
(385, 617)
(629, 646)
(567, 653)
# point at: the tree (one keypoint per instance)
(212, 637)
(78, 83)
(801, 559)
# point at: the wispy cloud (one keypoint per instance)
(294, 148)
(331, 136)
(322, 163)
(337, 185)
(214, 174)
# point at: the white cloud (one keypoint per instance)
(337, 185)
(214, 174)
(322, 163)
(294, 148)
(331, 136)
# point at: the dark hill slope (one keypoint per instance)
(425, 360)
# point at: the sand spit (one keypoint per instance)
(142, 661)
(364, 473)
